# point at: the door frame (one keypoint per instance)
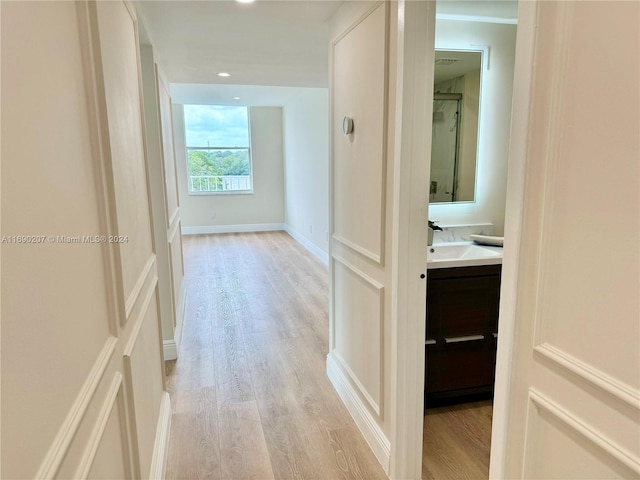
(518, 146)
(413, 119)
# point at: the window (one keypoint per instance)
(218, 153)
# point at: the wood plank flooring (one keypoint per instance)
(456, 441)
(249, 392)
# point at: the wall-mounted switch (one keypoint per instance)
(213, 215)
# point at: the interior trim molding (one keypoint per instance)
(174, 228)
(306, 243)
(180, 313)
(170, 349)
(137, 288)
(551, 161)
(243, 228)
(358, 21)
(101, 424)
(174, 215)
(151, 290)
(476, 18)
(378, 407)
(513, 229)
(379, 257)
(584, 429)
(354, 379)
(94, 83)
(58, 449)
(592, 375)
(357, 248)
(161, 445)
(128, 371)
(367, 425)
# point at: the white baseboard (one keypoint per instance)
(254, 227)
(171, 348)
(369, 428)
(181, 312)
(319, 254)
(161, 445)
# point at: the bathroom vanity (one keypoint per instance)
(463, 294)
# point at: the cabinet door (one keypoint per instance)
(462, 316)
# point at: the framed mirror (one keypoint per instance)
(456, 114)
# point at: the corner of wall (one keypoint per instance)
(317, 252)
(161, 444)
(171, 347)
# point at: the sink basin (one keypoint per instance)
(462, 255)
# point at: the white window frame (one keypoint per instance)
(190, 177)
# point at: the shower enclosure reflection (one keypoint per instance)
(456, 107)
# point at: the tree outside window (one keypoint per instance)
(218, 149)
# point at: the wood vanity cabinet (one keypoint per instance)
(462, 326)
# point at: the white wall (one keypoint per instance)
(82, 378)
(493, 137)
(361, 252)
(265, 207)
(306, 160)
(567, 398)
(163, 190)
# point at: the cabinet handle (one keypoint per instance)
(468, 338)
(430, 341)
(495, 335)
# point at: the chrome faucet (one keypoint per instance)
(432, 227)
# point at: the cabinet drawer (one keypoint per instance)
(459, 366)
(462, 306)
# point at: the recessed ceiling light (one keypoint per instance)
(236, 98)
(224, 74)
(245, 1)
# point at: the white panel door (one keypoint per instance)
(359, 266)
(574, 399)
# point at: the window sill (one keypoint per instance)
(229, 192)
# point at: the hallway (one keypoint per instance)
(249, 393)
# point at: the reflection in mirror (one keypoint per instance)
(456, 105)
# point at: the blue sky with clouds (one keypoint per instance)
(216, 126)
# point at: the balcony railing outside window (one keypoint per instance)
(219, 169)
(219, 183)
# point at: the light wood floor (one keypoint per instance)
(249, 392)
(456, 441)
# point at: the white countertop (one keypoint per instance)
(462, 254)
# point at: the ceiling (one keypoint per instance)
(282, 43)
(266, 43)
(465, 62)
(500, 11)
(252, 95)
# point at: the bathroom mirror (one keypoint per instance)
(456, 109)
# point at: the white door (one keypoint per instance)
(571, 408)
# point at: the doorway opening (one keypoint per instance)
(463, 300)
